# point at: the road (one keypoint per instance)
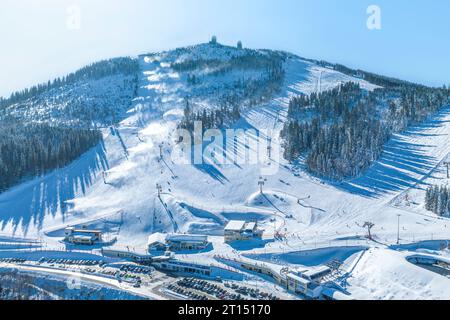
(144, 292)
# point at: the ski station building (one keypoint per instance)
(127, 255)
(195, 268)
(237, 230)
(176, 242)
(82, 236)
(304, 281)
(169, 264)
(307, 282)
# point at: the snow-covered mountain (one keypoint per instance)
(114, 186)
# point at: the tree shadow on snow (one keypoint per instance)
(250, 244)
(401, 165)
(30, 202)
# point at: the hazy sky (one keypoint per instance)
(39, 41)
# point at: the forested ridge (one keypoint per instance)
(341, 132)
(48, 126)
(34, 149)
(244, 92)
(210, 119)
(126, 66)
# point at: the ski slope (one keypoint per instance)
(395, 278)
(113, 186)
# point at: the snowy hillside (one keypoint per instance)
(80, 103)
(113, 186)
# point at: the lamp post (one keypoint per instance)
(160, 151)
(447, 164)
(261, 184)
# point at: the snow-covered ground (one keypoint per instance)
(63, 285)
(201, 198)
(394, 278)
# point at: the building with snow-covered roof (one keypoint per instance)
(157, 242)
(235, 225)
(317, 273)
(82, 236)
(127, 255)
(237, 230)
(176, 242)
(289, 277)
(182, 267)
(300, 285)
(250, 226)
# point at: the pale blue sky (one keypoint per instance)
(413, 44)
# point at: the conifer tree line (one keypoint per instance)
(380, 80)
(98, 70)
(437, 200)
(32, 150)
(341, 132)
(249, 92)
(98, 104)
(253, 91)
(19, 286)
(410, 105)
(33, 143)
(232, 98)
(269, 82)
(216, 118)
(250, 60)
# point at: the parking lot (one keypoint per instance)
(149, 279)
(64, 262)
(197, 289)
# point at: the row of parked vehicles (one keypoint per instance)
(209, 288)
(187, 293)
(253, 293)
(236, 293)
(137, 269)
(72, 262)
(12, 260)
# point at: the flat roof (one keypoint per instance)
(250, 226)
(298, 278)
(235, 225)
(86, 231)
(82, 237)
(163, 237)
(316, 271)
(187, 238)
(124, 252)
(189, 264)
